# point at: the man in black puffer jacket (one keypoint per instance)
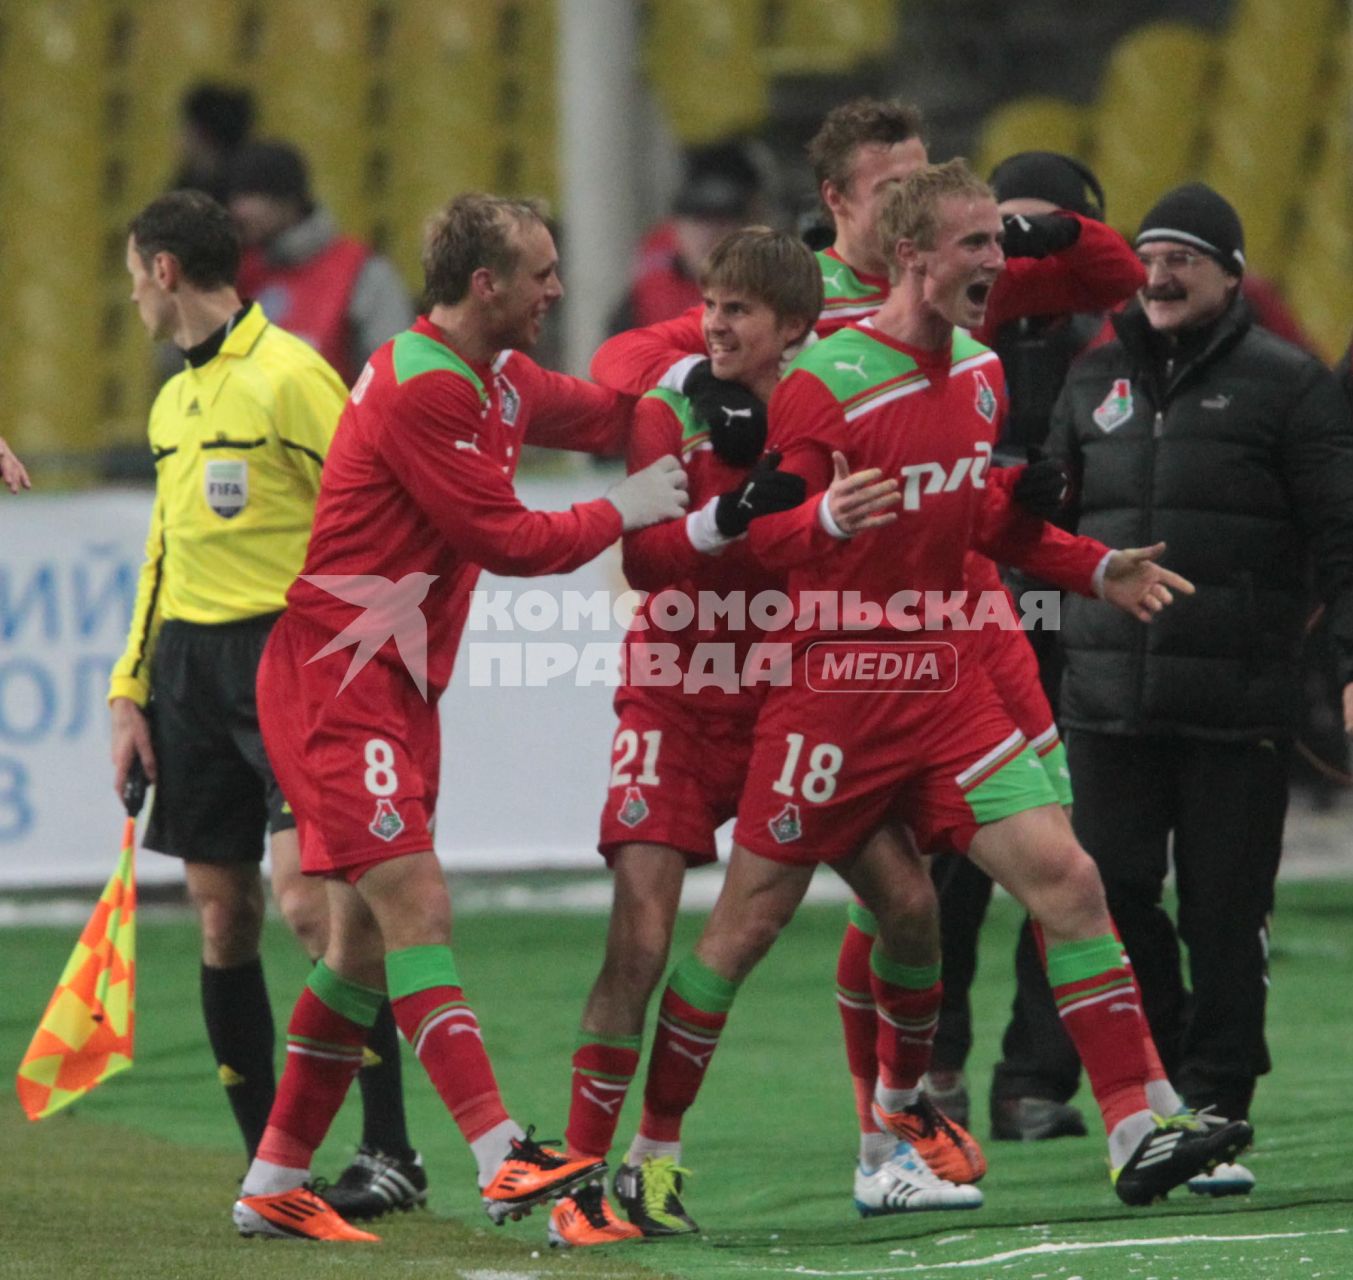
(1199, 429)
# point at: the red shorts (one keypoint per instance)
(1012, 666)
(832, 759)
(359, 768)
(676, 776)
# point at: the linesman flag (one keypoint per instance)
(85, 1035)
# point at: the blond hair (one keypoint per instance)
(473, 231)
(911, 209)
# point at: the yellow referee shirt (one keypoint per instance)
(238, 446)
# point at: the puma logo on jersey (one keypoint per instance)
(923, 478)
(846, 367)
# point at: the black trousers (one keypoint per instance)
(1224, 805)
(1218, 809)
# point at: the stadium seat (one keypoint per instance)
(807, 37)
(1276, 62)
(730, 94)
(1319, 276)
(53, 171)
(1146, 119)
(1030, 124)
(316, 63)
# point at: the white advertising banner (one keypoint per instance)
(527, 722)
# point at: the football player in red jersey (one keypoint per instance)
(913, 395)
(416, 498)
(687, 709)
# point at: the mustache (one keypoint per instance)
(1166, 294)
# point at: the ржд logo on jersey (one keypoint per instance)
(1117, 406)
(922, 478)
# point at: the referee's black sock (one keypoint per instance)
(240, 1029)
(384, 1127)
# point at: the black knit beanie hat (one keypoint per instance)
(1197, 216)
(1050, 176)
(274, 169)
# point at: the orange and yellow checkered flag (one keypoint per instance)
(85, 1036)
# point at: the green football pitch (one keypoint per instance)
(137, 1180)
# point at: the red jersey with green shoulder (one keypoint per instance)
(928, 418)
(662, 558)
(419, 481)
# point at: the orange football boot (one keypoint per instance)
(584, 1217)
(531, 1173)
(298, 1214)
(948, 1148)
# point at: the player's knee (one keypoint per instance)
(306, 912)
(639, 967)
(1078, 900)
(232, 926)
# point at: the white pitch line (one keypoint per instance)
(1053, 1247)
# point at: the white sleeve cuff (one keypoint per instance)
(674, 377)
(1097, 582)
(704, 533)
(824, 517)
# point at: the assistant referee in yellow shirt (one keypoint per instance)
(239, 438)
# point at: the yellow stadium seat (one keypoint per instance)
(806, 37)
(53, 172)
(1277, 62)
(1030, 124)
(1147, 116)
(1319, 268)
(729, 94)
(318, 71)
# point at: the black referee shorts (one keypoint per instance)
(215, 796)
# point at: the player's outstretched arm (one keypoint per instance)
(12, 472)
(637, 360)
(650, 496)
(1135, 583)
(859, 500)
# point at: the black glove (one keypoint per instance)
(764, 491)
(1044, 486)
(735, 417)
(1038, 236)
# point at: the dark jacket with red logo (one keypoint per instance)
(1235, 449)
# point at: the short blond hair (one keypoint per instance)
(911, 210)
(772, 267)
(473, 231)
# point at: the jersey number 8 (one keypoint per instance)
(380, 777)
